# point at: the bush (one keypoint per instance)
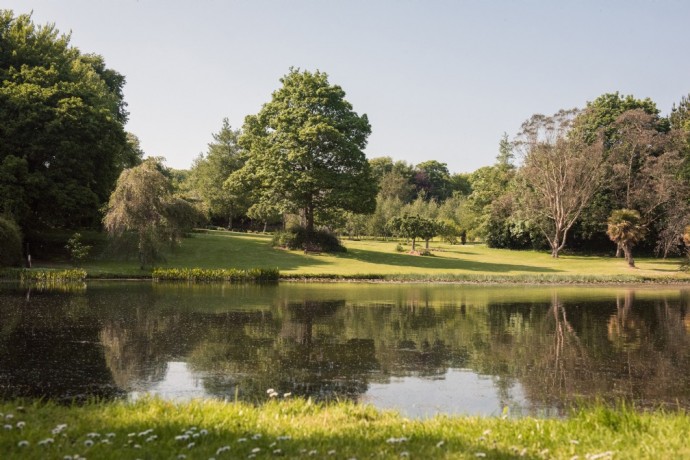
(220, 274)
(10, 243)
(296, 238)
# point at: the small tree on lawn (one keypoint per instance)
(625, 230)
(413, 227)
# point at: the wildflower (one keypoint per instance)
(60, 428)
(480, 454)
(146, 433)
(9, 416)
(256, 450)
(251, 456)
(313, 452)
(242, 440)
(88, 443)
(284, 438)
(404, 453)
(331, 452)
(105, 441)
(8, 427)
(256, 436)
(21, 425)
(131, 435)
(110, 435)
(270, 390)
(287, 395)
(151, 438)
(222, 449)
(277, 452)
(190, 445)
(46, 441)
(182, 437)
(23, 443)
(195, 435)
(574, 441)
(440, 444)
(396, 440)
(181, 457)
(93, 435)
(137, 446)
(203, 432)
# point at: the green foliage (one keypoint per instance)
(35, 275)
(10, 243)
(62, 115)
(78, 251)
(142, 203)
(432, 180)
(414, 227)
(209, 173)
(304, 151)
(222, 274)
(600, 115)
(298, 237)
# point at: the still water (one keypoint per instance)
(420, 349)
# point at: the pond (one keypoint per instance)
(421, 349)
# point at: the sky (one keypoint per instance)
(439, 80)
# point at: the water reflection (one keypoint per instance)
(421, 349)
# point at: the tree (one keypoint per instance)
(303, 151)
(505, 155)
(62, 116)
(559, 176)
(414, 227)
(142, 203)
(433, 180)
(209, 173)
(625, 230)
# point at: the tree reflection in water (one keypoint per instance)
(544, 349)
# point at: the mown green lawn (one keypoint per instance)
(218, 249)
(155, 429)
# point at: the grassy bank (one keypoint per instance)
(298, 429)
(379, 260)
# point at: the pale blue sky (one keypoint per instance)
(438, 79)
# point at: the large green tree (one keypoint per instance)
(304, 151)
(209, 173)
(62, 138)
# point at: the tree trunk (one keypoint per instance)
(413, 243)
(427, 245)
(627, 250)
(265, 225)
(619, 250)
(230, 222)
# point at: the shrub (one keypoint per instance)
(78, 251)
(10, 243)
(296, 238)
(399, 248)
(220, 274)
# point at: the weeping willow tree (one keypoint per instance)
(143, 204)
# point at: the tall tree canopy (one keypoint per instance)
(209, 173)
(304, 151)
(62, 138)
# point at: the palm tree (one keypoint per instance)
(625, 230)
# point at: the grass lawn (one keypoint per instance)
(219, 249)
(156, 429)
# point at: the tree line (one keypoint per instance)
(615, 170)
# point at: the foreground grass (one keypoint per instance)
(379, 260)
(298, 429)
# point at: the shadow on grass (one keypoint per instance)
(438, 262)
